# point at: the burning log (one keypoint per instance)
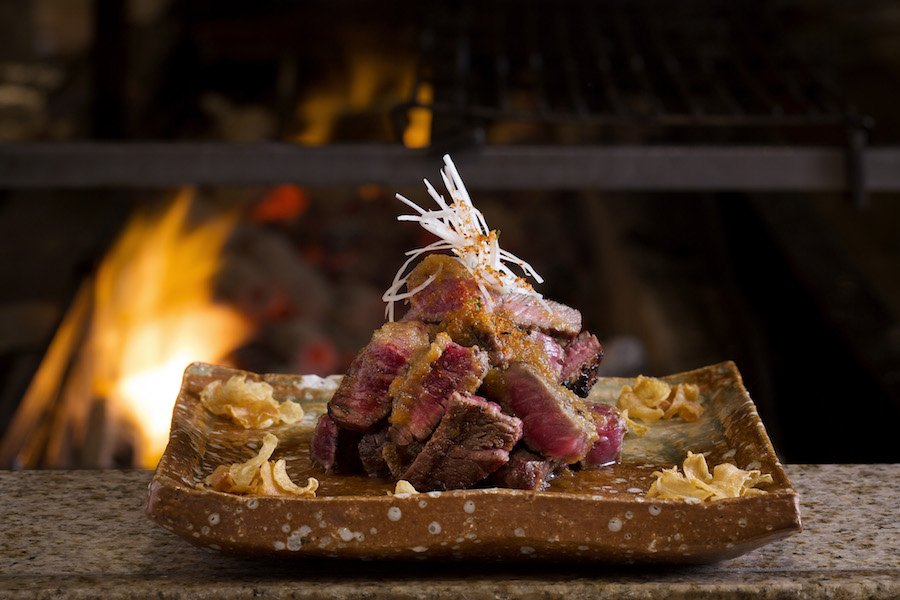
(61, 423)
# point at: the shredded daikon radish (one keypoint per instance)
(464, 232)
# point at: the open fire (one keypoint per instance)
(356, 100)
(154, 313)
(148, 312)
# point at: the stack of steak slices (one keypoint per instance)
(468, 390)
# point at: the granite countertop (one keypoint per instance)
(84, 534)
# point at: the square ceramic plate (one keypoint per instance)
(600, 515)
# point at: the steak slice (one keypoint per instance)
(581, 363)
(362, 398)
(472, 441)
(525, 471)
(371, 455)
(508, 344)
(531, 312)
(451, 289)
(556, 422)
(421, 393)
(610, 431)
(398, 458)
(334, 449)
(551, 349)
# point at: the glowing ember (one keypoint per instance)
(154, 314)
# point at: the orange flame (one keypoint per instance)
(154, 314)
(418, 131)
(370, 81)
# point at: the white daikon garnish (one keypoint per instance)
(463, 231)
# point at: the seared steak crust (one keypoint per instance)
(525, 471)
(472, 441)
(371, 455)
(398, 458)
(362, 398)
(421, 393)
(452, 288)
(582, 360)
(548, 316)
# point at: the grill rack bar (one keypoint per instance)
(646, 52)
(624, 168)
(648, 64)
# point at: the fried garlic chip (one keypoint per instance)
(643, 399)
(633, 426)
(260, 476)
(249, 403)
(243, 478)
(684, 403)
(651, 399)
(276, 482)
(696, 484)
(404, 487)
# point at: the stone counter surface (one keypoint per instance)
(84, 535)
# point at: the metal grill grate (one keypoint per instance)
(649, 63)
(613, 94)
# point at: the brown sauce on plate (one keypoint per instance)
(617, 480)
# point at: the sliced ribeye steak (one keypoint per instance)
(610, 433)
(473, 440)
(334, 449)
(420, 394)
(532, 312)
(556, 422)
(551, 349)
(362, 398)
(525, 471)
(371, 455)
(581, 363)
(452, 288)
(398, 458)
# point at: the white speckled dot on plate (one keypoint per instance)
(599, 515)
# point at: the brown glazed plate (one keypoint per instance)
(601, 515)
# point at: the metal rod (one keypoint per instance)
(533, 36)
(665, 56)
(501, 60)
(771, 56)
(573, 74)
(738, 61)
(636, 62)
(646, 168)
(857, 141)
(596, 43)
(463, 59)
(708, 70)
(652, 120)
